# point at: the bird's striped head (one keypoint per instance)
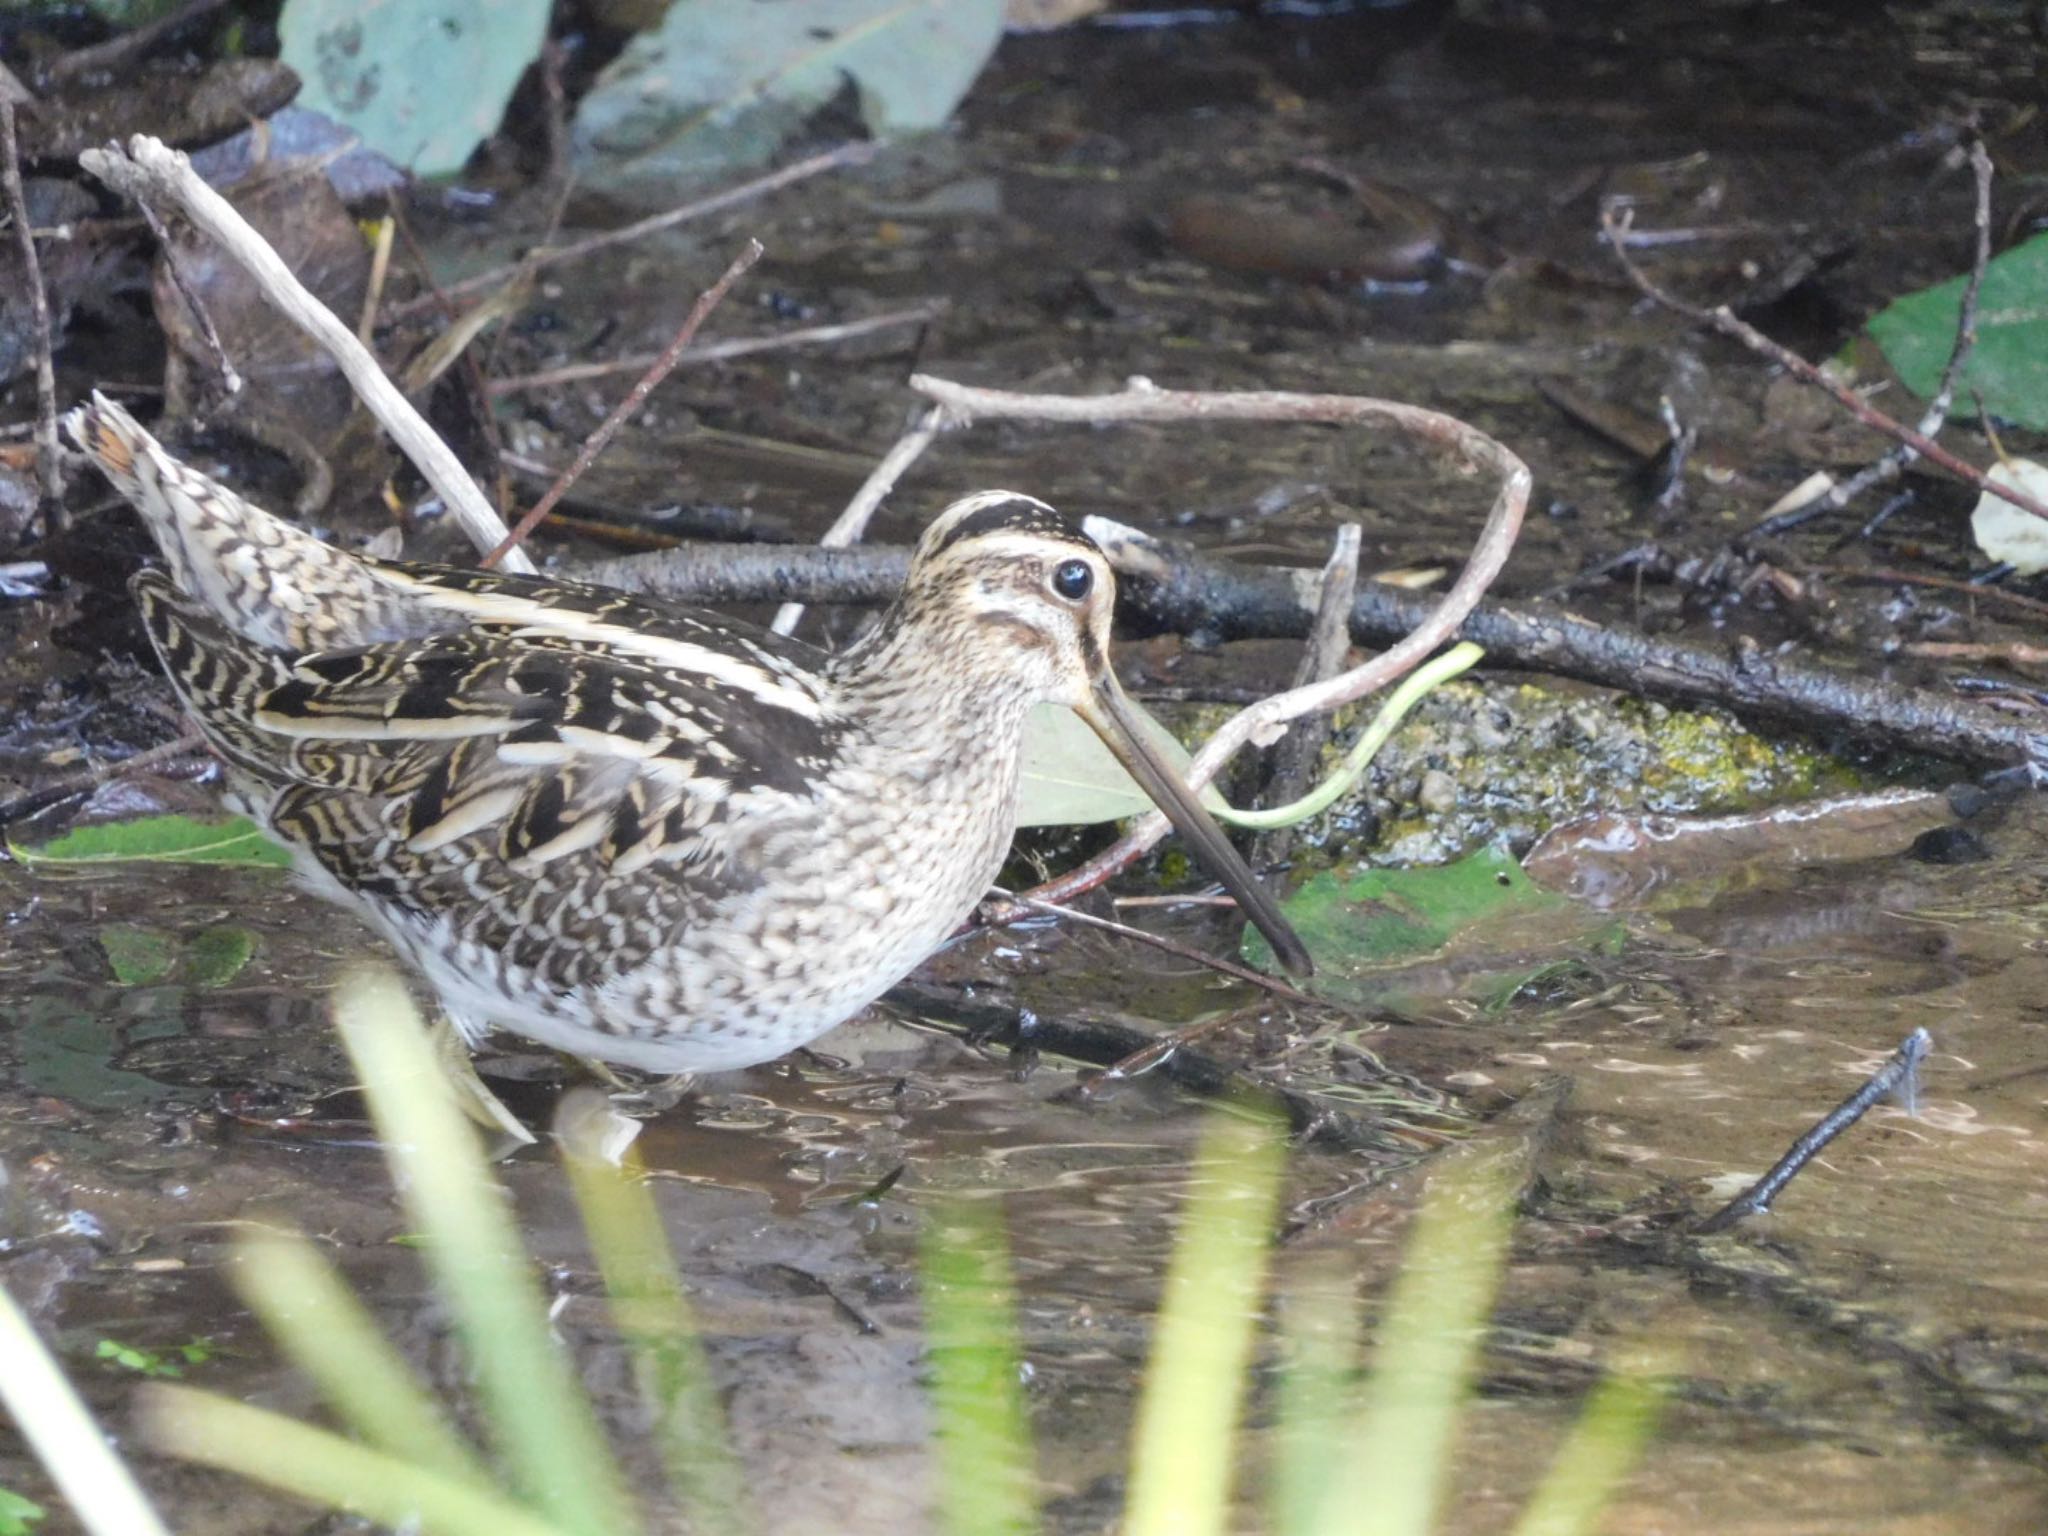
(1019, 589)
(1020, 600)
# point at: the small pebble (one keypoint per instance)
(1438, 793)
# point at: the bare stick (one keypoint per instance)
(1728, 323)
(1142, 401)
(881, 480)
(117, 50)
(49, 477)
(717, 202)
(1897, 1072)
(607, 429)
(150, 172)
(1292, 759)
(1888, 468)
(1157, 940)
(718, 351)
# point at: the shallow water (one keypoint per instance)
(1869, 1356)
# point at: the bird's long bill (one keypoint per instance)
(1110, 713)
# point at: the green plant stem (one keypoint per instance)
(1414, 688)
(986, 1462)
(546, 1432)
(326, 1468)
(47, 1410)
(324, 1329)
(1184, 1446)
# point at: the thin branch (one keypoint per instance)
(832, 159)
(1157, 940)
(149, 171)
(718, 351)
(607, 429)
(1889, 467)
(117, 50)
(49, 475)
(881, 480)
(1896, 1074)
(1728, 323)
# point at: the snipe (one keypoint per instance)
(634, 831)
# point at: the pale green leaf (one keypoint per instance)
(720, 83)
(1070, 779)
(423, 81)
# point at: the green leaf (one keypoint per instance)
(144, 1362)
(2008, 367)
(17, 1514)
(1480, 922)
(215, 956)
(721, 83)
(170, 839)
(1069, 778)
(137, 956)
(423, 81)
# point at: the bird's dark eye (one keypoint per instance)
(1072, 579)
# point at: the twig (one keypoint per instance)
(1157, 940)
(607, 429)
(1889, 467)
(1293, 757)
(117, 50)
(718, 202)
(479, 405)
(49, 475)
(1142, 401)
(853, 522)
(1976, 591)
(717, 351)
(230, 375)
(150, 170)
(380, 268)
(1896, 1073)
(1728, 323)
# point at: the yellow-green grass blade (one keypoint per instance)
(547, 1437)
(1602, 1447)
(327, 1334)
(1184, 1450)
(987, 1471)
(328, 1469)
(649, 1309)
(47, 1410)
(1392, 1478)
(1320, 1332)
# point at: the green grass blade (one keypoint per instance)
(328, 1469)
(1392, 1479)
(1603, 1446)
(326, 1333)
(1184, 1448)
(652, 1315)
(987, 1467)
(542, 1422)
(95, 1482)
(1321, 1327)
